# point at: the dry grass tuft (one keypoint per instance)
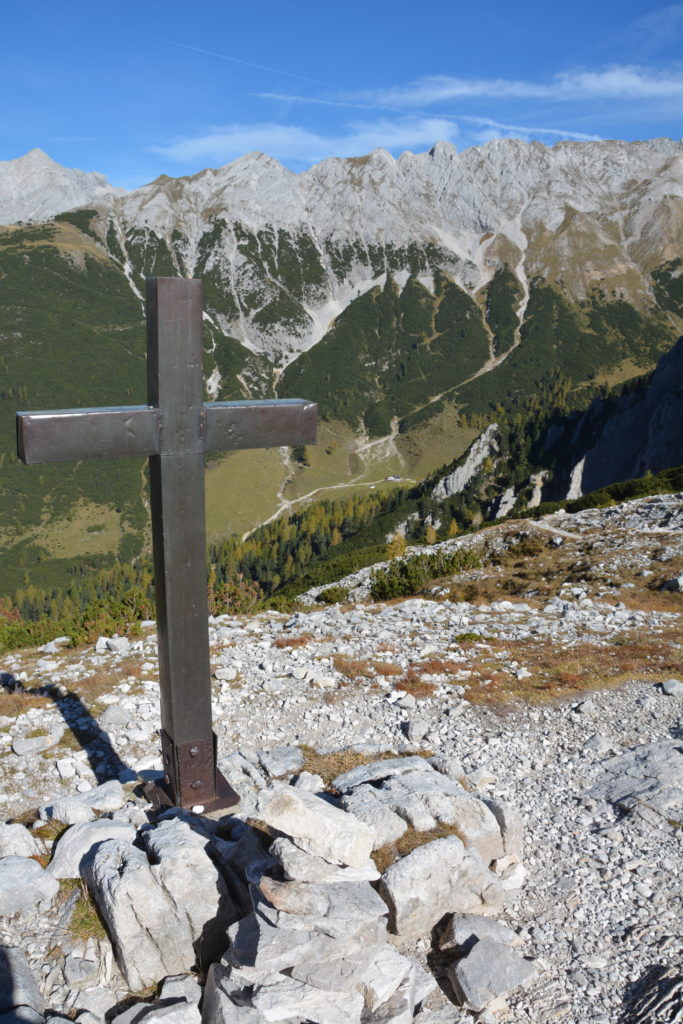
(85, 921)
(15, 704)
(364, 668)
(352, 668)
(386, 668)
(101, 682)
(292, 641)
(441, 666)
(329, 766)
(558, 673)
(50, 829)
(413, 683)
(387, 855)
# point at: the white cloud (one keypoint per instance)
(617, 82)
(292, 142)
(658, 29)
(496, 129)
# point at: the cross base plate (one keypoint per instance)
(159, 795)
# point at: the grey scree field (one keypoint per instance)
(175, 430)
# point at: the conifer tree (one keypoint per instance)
(396, 546)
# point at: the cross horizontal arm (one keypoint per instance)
(267, 424)
(64, 435)
(70, 434)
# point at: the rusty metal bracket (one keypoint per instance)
(190, 777)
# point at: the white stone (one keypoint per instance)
(300, 866)
(31, 745)
(17, 841)
(286, 997)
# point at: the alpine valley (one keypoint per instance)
(418, 301)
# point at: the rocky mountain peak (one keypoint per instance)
(36, 187)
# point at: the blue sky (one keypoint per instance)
(134, 90)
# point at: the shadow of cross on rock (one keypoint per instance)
(87, 732)
(102, 757)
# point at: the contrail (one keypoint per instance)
(248, 63)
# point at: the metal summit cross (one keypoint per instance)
(175, 430)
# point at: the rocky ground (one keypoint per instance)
(549, 680)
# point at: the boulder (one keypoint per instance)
(365, 803)
(175, 1013)
(218, 1006)
(383, 975)
(181, 986)
(69, 810)
(283, 998)
(162, 915)
(379, 770)
(281, 761)
(27, 746)
(114, 715)
(17, 841)
(80, 807)
(490, 970)
(427, 800)
(79, 841)
(510, 824)
(435, 879)
(464, 930)
(647, 781)
(300, 866)
(24, 885)
(23, 1015)
(118, 645)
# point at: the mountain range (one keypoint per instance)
(413, 298)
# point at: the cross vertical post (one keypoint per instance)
(175, 430)
(175, 386)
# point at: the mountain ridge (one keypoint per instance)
(517, 194)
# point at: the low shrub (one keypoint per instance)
(407, 576)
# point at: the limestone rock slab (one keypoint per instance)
(646, 778)
(464, 930)
(300, 866)
(18, 987)
(72, 810)
(27, 746)
(285, 998)
(379, 770)
(218, 1006)
(367, 806)
(317, 827)
(281, 761)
